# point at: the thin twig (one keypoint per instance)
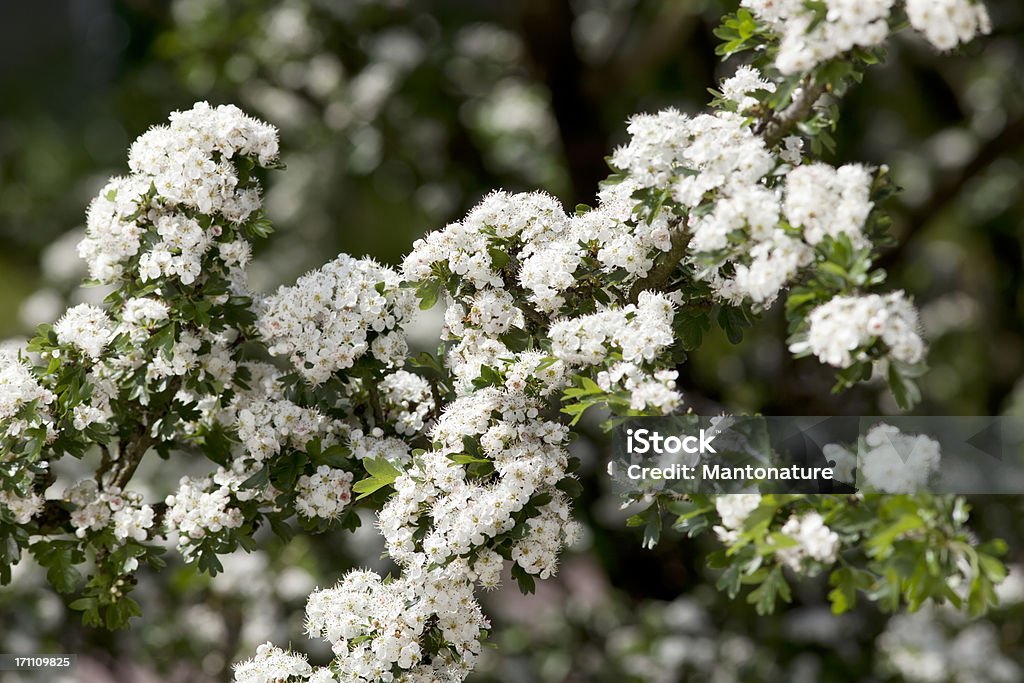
(374, 395)
(659, 275)
(777, 126)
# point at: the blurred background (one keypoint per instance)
(396, 117)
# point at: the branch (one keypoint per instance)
(545, 27)
(374, 395)
(780, 123)
(659, 275)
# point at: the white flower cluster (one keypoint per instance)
(189, 165)
(463, 248)
(528, 458)
(325, 494)
(715, 161)
(646, 392)
(537, 553)
(376, 626)
(845, 329)
(734, 508)
(377, 445)
(535, 373)
(437, 527)
(140, 315)
(406, 401)
(18, 390)
(86, 327)
(21, 508)
(811, 34)
(274, 665)
(737, 88)
(947, 23)
(815, 541)
(191, 161)
(197, 353)
(336, 314)
(692, 155)
(888, 461)
(639, 332)
(96, 508)
(265, 426)
(203, 506)
(822, 200)
(614, 235)
(550, 248)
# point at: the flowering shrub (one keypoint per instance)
(307, 397)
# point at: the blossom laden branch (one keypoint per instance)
(465, 455)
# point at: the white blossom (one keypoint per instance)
(325, 494)
(843, 329)
(947, 23)
(96, 508)
(894, 462)
(736, 507)
(334, 315)
(272, 665)
(86, 327)
(745, 80)
(21, 508)
(822, 200)
(815, 541)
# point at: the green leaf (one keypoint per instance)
(773, 588)
(845, 582)
(527, 584)
(499, 257)
(59, 558)
(571, 487)
(259, 480)
(382, 473)
(381, 468)
(733, 321)
(464, 459)
(730, 580)
(428, 293)
(903, 389)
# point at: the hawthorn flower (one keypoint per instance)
(334, 315)
(86, 327)
(844, 329)
(21, 508)
(894, 462)
(97, 508)
(199, 507)
(736, 507)
(737, 88)
(822, 200)
(815, 541)
(271, 665)
(947, 23)
(19, 388)
(325, 494)
(810, 36)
